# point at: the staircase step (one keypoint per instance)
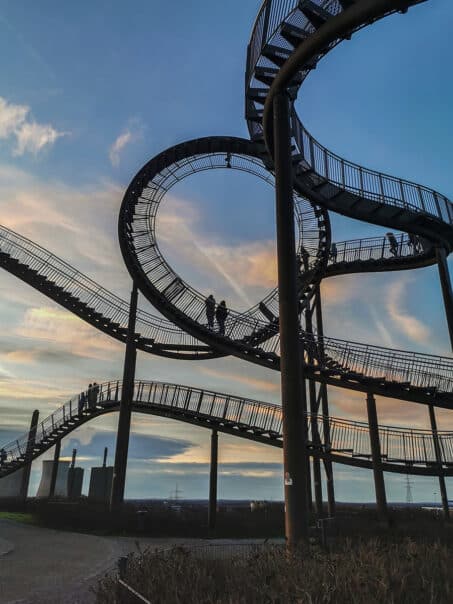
(292, 34)
(276, 54)
(317, 15)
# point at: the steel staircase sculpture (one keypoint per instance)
(288, 39)
(403, 450)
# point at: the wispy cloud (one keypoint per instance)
(251, 382)
(33, 137)
(239, 272)
(409, 325)
(29, 135)
(133, 132)
(68, 331)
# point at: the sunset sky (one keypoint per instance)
(90, 92)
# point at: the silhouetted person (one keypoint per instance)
(90, 396)
(82, 402)
(393, 244)
(95, 393)
(3, 456)
(298, 264)
(333, 252)
(305, 257)
(221, 314)
(210, 310)
(413, 242)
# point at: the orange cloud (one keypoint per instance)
(259, 384)
(67, 330)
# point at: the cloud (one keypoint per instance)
(131, 134)
(12, 117)
(67, 330)
(146, 448)
(242, 273)
(251, 382)
(30, 136)
(410, 326)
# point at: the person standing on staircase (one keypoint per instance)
(413, 242)
(95, 393)
(393, 244)
(221, 315)
(333, 252)
(210, 310)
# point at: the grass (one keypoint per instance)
(371, 571)
(23, 517)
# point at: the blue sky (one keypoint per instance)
(89, 93)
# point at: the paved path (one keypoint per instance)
(44, 566)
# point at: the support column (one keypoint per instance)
(53, 478)
(124, 421)
(379, 484)
(29, 455)
(325, 412)
(316, 441)
(294, 402)
(212, 510)
(438, 453)
(445, 283)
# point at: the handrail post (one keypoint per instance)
(437, 451)
(379, 484)
(124, 421)
(29, 455)
(294, 403)
(325, 411)
(313, 422)
(445, 282)
(212, 509)
(53, 478)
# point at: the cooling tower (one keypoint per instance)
(101, 483)
(61, 485)
(10, 486)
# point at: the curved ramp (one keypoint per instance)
(403, 450)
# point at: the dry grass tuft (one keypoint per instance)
(354, 572)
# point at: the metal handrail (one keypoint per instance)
(419, 369)
(349, 176)
(80, 286)
(347, 437)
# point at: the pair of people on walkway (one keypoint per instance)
(220, 313)
(89, 398)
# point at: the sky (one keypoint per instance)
(89, 93)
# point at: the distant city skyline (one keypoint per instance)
(88, 97)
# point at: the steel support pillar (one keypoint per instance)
(438, 453)
(29, 455)
(294, 402)
(379, 484)
(212, 510)
(53, 478)
(445, 283)
(124, 420)
(325, 412)
(316, 441)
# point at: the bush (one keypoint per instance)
(355, 572)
